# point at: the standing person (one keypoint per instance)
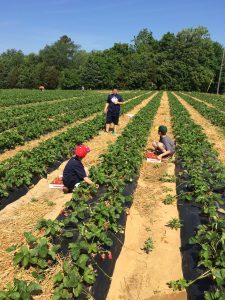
(112, 109)
(165, 146)
(74, 171)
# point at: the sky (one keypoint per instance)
(29, 25)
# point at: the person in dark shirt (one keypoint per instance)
(74, 171)
(165, 146)
(112, 109)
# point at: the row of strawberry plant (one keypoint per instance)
(90, 222)
(45, 109)
(20, 169)
(35, 125)
(52, 116)
(215, 100)
(16, 98)
(20, 97)
(205, 177)
(42, 123)
(215, 116)
(13, 118)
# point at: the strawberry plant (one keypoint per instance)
(217, 295)
(216, 100)
(37, 253)
(148, 246)
(174, 223)
(51, 227)
(178, 285)
(214, 115)
(69, 282)
(21, 290)
(93, 221)
(168, 178)
(20, 169)
(204, 180)
(169, 199)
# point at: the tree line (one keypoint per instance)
(189, 60)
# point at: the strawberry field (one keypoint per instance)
(92, 244)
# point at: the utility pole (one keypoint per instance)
(221, 68)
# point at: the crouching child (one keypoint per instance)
(74, 171)
(165, 147)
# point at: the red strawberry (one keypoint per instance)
(110, 255)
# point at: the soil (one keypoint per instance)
(138, 275)
(42, 202)
(214, 133)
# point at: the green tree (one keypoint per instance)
(60, 54)
(70, 79)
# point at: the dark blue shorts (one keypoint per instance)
(112, 117)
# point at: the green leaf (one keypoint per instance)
(14, 296)
(68, 234)
(34, 287)
(93, 248)
(82, 261)
(30, 238)
(43, 251)
(11, 248)
(42, 263)
(2, 295)
(89, 276)
(38, 275)
(78, 290)
(65, 294)
(58, 277)
(220, 276)
(17, 258)
(66, 267)
(26, 260)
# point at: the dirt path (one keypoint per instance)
(214, 133)
(206, 103)
(39, 202)
(138, 275)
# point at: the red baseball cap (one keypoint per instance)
(81, 151)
